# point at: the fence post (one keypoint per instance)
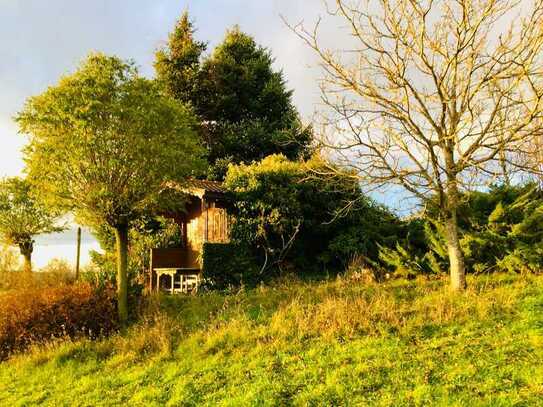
(78, 253)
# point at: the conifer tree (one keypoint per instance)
(244, 106)
(178, 64)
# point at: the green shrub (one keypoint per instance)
(287, 216)
(35, 315)
(501, 230)
(228, 264)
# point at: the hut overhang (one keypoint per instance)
(206, 219)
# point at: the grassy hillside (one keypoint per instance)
(329, 343)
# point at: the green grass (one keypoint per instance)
(330, 343)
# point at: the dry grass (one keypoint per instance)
(37, 315)
(298, 343)
(19, 280)
(338, 315)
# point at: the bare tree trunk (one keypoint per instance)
(450, 206)
(121, 238)
(456, 257)
(377, 110)
(26, 250)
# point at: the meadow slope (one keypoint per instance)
(339, 342)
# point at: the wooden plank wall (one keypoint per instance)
(218, 224)
(211, 225)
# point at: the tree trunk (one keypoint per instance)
(121, 238)
(452, 200)
(26, 249)
(456, 257)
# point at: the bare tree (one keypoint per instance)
(432, 95)
(532, 157)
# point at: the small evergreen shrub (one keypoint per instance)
(35, 315)
(228, 264)
(501, 230)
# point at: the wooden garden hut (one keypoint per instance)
(205, 220)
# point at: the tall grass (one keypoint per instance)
(339, 342)
(57, 272)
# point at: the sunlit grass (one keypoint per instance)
(338, 342)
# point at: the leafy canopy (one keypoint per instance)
(289, 216)
(104, 140)
(22, 216)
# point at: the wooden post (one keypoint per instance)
(78, 257)
(206, 230)
(150, 270)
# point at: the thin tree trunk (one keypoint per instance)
(121, 237)
(456, 257)
(78, 256)
(26, 250)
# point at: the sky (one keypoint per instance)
(43, 40)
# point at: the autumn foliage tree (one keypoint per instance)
(434, 96)
(103, 141)
(23, 216)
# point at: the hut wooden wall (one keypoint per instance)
(218, 224)
(208, 224)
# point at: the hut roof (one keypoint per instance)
(199, 188)
(205, 185)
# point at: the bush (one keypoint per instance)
(228, 264)
(58, 266)
(501, 230)
(290, 217)
(29, 316)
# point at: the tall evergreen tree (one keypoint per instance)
(178, 64)
(245, 108)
